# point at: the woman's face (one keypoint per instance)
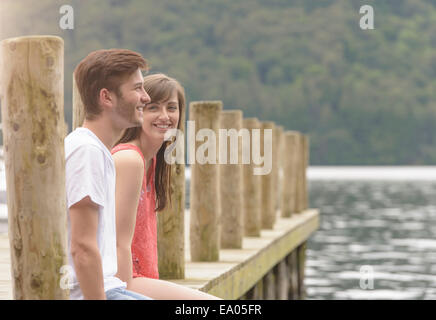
(159, 117)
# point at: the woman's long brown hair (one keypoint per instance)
(159, 87)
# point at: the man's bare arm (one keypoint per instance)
(84, 249)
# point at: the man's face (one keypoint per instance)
(130, 104)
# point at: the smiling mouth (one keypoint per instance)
(163, 126)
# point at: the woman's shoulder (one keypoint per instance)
(126, 146)
(128, 155)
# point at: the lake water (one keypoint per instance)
(377, 234)
(377, 231)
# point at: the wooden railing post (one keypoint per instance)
(268, 190)
(290, 173)
(292, 262)
(298, 182)
(306, 148)
(301, 192)
(205, 206)
(279, 155)
(275, 171)
(232, 214)
(251, 186)
(33, 130)
(282, 280)
(301, 254)
(269, 286)
(171, 221)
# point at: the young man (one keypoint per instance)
(110, 83)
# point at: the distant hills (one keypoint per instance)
(364, 97)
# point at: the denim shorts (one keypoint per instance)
(123, 294)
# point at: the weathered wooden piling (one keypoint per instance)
(298, 206)
(306, 155)
(282, 280)
(231, 179)
(301, 254)
(268, 189)
(269, 289)
(279, 158)
(275, 171)
(292, 263)
(290, 173)
(33, 130)
(251, 185)
(170, 221)
(301, 183)
(205, 206)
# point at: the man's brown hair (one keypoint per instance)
(104, 69)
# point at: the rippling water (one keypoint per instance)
(387, 227)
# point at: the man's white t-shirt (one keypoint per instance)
(90, 171)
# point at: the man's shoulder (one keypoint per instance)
(81, 140)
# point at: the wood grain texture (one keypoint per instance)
(171, 224)
(290, 173)
(252, 193)
(231, 178)
(267, 181)
(205, 202)
(33, 131)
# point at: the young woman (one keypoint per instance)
(142, 184)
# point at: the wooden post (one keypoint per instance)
(290, 174)
(78, 108)
(251, 187)
(278, 175)
(301, 174)
(292, 260)
(299, 168)
(268, 190)
(33, 129)
(282, 281)
(232, 229)
(171, 222)
(275, 171)
(306, 149)
(301, 253)
(204, 194)
(269, 286)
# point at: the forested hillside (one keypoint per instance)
(365, 97)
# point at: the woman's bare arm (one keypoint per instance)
(129, 168)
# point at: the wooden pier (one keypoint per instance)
(240, 272)
(244, 236)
